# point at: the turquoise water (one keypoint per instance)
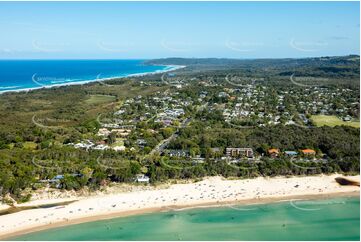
(23, 74)
(333, 219)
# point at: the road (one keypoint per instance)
(164, 143)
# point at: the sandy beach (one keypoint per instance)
(212, 191)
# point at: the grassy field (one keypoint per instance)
(29, 145)
(328, 120)
(119, 142)
(97, 99)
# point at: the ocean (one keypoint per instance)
(26, 74)
(326, 219)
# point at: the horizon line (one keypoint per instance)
(174, 57)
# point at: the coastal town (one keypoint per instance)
(149, 125)
(180, 125)
(180, 121)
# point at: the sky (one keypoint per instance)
(145, 30)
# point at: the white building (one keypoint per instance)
(142, 178)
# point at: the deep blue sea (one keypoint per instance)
(24, 74)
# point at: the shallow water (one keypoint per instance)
(331, 219)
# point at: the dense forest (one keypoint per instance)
(321, 66)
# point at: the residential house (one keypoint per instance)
(142, 178)
(273, 152)
(121, 132)
(178, 153)
(119, 148)
(308, 152)
(223, 95)
(101, 147)
(239, 152)
(87, 144)
(120, 112)
(291, 153)
(141, 142)
(103, 132)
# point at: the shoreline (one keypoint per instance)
(136, 203)
(177, 209)
(168, 68)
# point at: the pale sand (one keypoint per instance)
(213, 191)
